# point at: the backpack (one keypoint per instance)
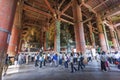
(81, 58)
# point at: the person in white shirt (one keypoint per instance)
(41, 60)
(103, 59)
(66, 61)
(75, 58)
(36, 60)
(72, 64)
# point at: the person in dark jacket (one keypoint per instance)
(6, 64)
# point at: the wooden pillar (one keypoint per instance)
(20, 13)
(118, 34)
(7, 12)
(20, 45)
(78, 27)
(14, 39)
(91, 34)
(47, 34)
(101, 33)
(13, 44)
(44, 41)
(57, 36)
(113, 38)
(46, 37)
(40, 41)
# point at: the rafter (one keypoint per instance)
(49, 6)
(68, 16)
(116, 25)
(41, 5)
(69, 4)
(61, 4)
(32, 24)
(109, 24)
(87, 20)
(100, 4)
(115, 13)
(89, 7)
(66, 21)
(36, 17)
(29, 8)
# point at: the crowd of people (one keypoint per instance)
(56, 59)
(75, 60)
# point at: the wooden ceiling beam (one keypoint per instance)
(66, 8)
(87, 20)
(38, 16)
(115, 13)
(39, 4)
(116, 25)
(29, 8)
(100, 4)
(35, 17)
(61, 4)
(31, 24)
(89, 7)
(109, 24)
(49, 6)
(68, 16)
(66, 21)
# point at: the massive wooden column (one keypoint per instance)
(113, 38)
(41, 37)
(7, 11)
(47, 34)
(20, 45)
(13, 44)
(91, 34)
(101, 33)
(46, 40)
(78, 27)
(44, 47)
(14, 39)
(118, 35)
(46, 37)
(57, 36)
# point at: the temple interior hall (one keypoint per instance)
(59, 39)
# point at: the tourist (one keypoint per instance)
(27, 58)
(55, 59)
(72, 64)
(16, 60)
(32, 57)
(44, 59)
(75, 57)
(103, 61)
(6, 64)
(60, 58)
(41, 60)
(80, 61)
(20, 59)
(66, 61)
(36, 60)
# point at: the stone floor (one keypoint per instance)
(91, 72)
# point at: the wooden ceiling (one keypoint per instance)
(37, 13)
